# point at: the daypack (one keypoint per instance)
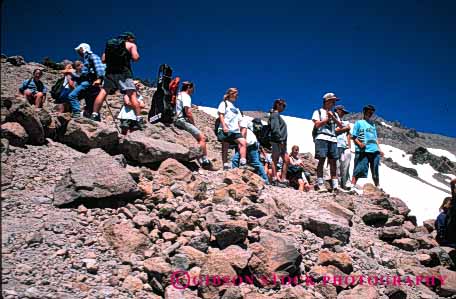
(162, 109)
(116, 55)
(315, 129)
(262, 132)
(217, 122)
(57, 88)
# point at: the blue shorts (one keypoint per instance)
(324, 148)
(229, 137)
(363, 161)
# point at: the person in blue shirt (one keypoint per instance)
(34, 90)
(368, 153)
(441, 225)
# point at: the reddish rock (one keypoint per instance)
(406, 244)
(341, 260)
(360, 291)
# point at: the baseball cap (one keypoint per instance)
(341, 107)
(369, 107)
(330, 96)
(84, 46)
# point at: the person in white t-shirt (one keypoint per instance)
(343, 146)
(325, 121)
(127, 114)
(229, 131)
(184, 120)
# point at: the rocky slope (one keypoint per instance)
(87, 213)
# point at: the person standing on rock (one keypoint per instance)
(184, 120)
(34, 90)
(229, 131)
(90, 78)
(325, 123)
(451, 217)
(119, 76)
(368, 153)
(343, 147)
(279, 136)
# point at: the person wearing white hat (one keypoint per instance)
(325, 123)
(91, 76)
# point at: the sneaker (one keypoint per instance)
(95, 117)
(207, 165)
(348, 185)
(226, 166)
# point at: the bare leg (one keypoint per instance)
(242, 147)
(202, 143)
(224, 152)
(99, 101)
(286, 161)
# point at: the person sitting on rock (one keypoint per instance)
(34, 89)
(279, 136)
(253, 147)
(441, 222)
(368, 153)
(185, 121)
(127, 114)
(295, 173)
(229, 131)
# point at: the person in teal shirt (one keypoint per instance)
(368, 153)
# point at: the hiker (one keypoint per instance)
(344, 148)
(68, 85)
(34, 90)
(368, 153)
(89, 78)
(184, 120)
(229, 131)
(295, 173)
(279, 137)
(127, 115)
(451, 217)
(119, 76)
(325, 123)
(441, 223)
(253, 147)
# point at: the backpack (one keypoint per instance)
(162, 109)
(116, 54)
(315, 129)
(262, 133)
(57, 88)
(217, 122)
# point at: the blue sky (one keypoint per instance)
(397, 55)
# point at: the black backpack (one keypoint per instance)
(116, 55)
(57, 88)
(315, 129)
(162, 109)
(217, 122)
(262, 133)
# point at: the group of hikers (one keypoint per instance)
(93, 78)
(257, 146)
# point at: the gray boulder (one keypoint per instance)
(95, 176)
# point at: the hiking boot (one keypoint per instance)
(207, 165)
(321, 188)
(137, 125)
(95, 117)
(247, 167)
(226, 166)
(278, 183)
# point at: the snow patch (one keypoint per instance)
(440, 152)
(386, 125)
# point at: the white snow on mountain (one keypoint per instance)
(440, 152)
(386, 125)
(423, 199)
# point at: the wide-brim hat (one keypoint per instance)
(342, 107)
